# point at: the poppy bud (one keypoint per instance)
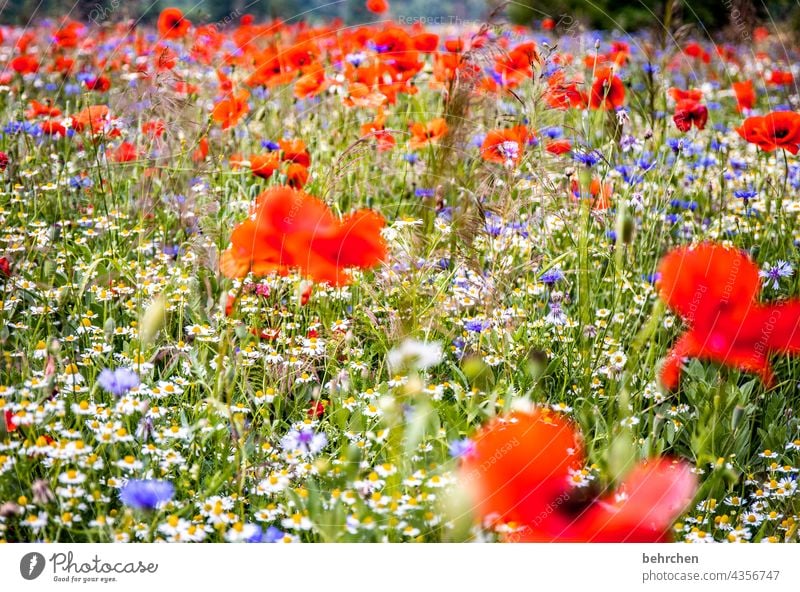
(5, 268)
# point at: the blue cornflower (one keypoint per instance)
(494, 224)
(78, 182)
(551, 276)
(738, 164)
(627, 174)
(119, 381)
(675, 144)
(305, 442)
(146, 494)
(424, 192)
(459, 448)
(745, 194)
(272, 535)
(553, 132)
(477, 325)
(773, 274)
(270, 145)
(649, 68)
(589, 158)
(645, 163)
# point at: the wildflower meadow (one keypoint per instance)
(401, 280)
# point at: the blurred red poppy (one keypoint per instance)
(745, 94)
(714, 290)
(678, 94)
(172, 24)
(608, 91)
(423, 134)
(377, 6)
(91, 118)
(524, 470)
(558, 147)
(505, 146)
(780, 78)
(780, 129)
(125, 152)
(291, 229)
(24, 64)
(264, 165)
(688, 113)
(229, 110)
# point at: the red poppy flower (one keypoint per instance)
(375, 129)
(5, 266)
(714, 290)
(300, 56)
(92, 118)
(599, 193)
(561, 94)
(200, 153)
(317, 409)
(37, 109)
(505, 146)
(745, 95)
(52, 127)
(296, 175)
(125, 152)
(426, 42)
(229, 110)
(454, 45)
(689, 112)
(172, 24)
(377, 6)
(291, 229)
(63, 65)
(608, 91)
(10, 425)
(431, 132)
(678, 94)
(695, 50)
(295, 151)
(154, 128)
(263, 165)
(780, 129)
(68, 35)
(25, 64)
(523, 469)
(780, 78)
(558, 147)
(311, 84)
(100, 84)
(3, 163)
(517, 64)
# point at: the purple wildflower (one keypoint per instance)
(146, 494)
(119, 381)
